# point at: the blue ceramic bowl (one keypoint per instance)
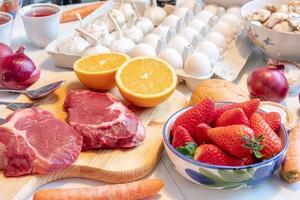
(222, 177)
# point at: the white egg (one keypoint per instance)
(225, 29)
(73, 45)
(204, 15)
(178, 43)
(127, 11)
(172, 21)
(188, 4)
(161, 31)
(123, 45)
(151, 39)
(184, 13)
(197, 64)
(218, 39)
(235, 10)
(188, 33)
(98, 49)
(145, 24)
(173, 57)
(197, 24)
(134, 33)
(155, 14)
(232, 20)
(143, 49)
(209, 49)
(213, 8)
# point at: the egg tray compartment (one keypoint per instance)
(232, 59)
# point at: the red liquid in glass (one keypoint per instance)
(3, 20)
(40, 12)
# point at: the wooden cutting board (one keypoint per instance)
(112, 166)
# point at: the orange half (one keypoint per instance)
(146, 81)
(97, 72)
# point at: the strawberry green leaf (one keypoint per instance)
(188, 150)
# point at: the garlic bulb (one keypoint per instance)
(117, 14)
(145, 24)
(173, 57)
(127, 10)
(143, 49)
(133, 33)
(155, 14)
(73, 45)
(123, 45)
(94, 50)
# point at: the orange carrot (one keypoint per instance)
(70, 15)
(128, 191)
(291, 165)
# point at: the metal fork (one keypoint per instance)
(15, 106)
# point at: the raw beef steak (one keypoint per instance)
(102, 120)
(33, 141)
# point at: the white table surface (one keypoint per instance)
(176, 187)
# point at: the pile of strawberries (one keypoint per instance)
(231, 135)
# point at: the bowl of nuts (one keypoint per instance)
(274, 26)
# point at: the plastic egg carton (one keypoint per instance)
(201, 41)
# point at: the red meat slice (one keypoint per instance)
(103, 121)
(33, 141)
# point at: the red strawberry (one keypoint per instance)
(201, 136)
(270, 141)
(211, 154)
(181, 137)
(200, 113)
(233, 116)
(183, 142)
(272, 118)
(249, 108)
(248, 160)
(234, 139)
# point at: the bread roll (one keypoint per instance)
(218, 90)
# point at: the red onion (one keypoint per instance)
(17, 71)
(269, 83)
(4, 51)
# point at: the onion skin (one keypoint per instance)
(4, 52)
(268, 83)
(18, 71)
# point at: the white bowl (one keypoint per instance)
(226, 3)
(275, 44)
(222, 177)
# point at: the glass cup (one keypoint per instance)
(6, 20)
(41, 22)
